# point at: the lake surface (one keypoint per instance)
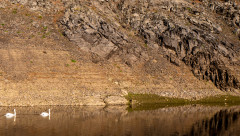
(117, 121)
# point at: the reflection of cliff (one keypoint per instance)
(217, 125)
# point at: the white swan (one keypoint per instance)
(10, 115)
(45, 114)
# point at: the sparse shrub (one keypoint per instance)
(145, 45)
(73, 60)
(14, 11)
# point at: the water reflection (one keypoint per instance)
(97, 121)
(219, 124)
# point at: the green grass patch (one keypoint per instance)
(145, 45)
(220, 100)
(45, 27)
(48, 33)
(73, 60)
(138, 102)
(153, 101)
(14, 11)
(27, 15)
(189, 9)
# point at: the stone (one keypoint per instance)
(237, 32)
(124, 92)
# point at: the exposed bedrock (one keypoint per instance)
(203, 35)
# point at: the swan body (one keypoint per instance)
(45, 114)
(10, 115)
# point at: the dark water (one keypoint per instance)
(117, 121)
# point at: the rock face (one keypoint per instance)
(86, 25)
(180, 30)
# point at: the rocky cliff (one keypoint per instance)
(201, 35)
(176, 48)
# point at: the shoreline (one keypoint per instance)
(136, 100)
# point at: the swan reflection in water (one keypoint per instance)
(45, 114)
(11, 115)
